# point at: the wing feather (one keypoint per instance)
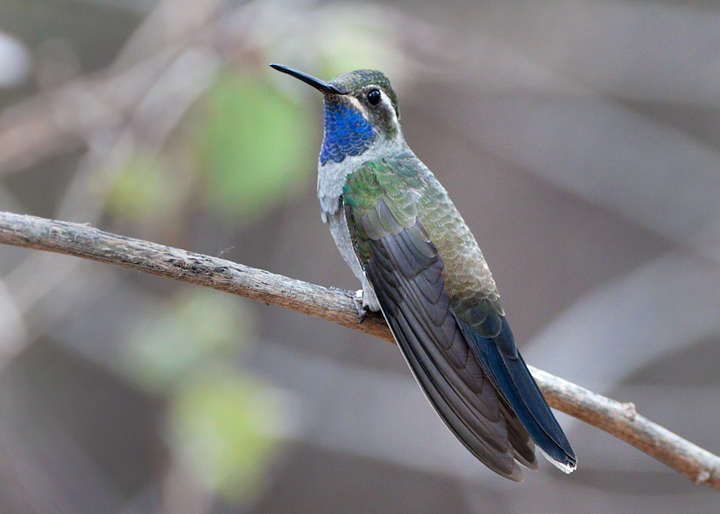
(461, 350)
(406, 273)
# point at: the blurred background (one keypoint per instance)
(580, 139)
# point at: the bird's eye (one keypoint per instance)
(374, 97)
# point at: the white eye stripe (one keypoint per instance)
(385, 99)
(355, 103)
(386, 102)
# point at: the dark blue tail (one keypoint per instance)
(507, 370)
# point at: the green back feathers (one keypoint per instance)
(381, 198)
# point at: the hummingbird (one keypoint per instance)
(420, 265)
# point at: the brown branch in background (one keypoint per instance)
(618, 419)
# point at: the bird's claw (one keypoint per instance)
(358, 299)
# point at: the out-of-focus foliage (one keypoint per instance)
(195, 328)
(223, 424)
(336, 37)
(223, 429)
(254, 146)
(147, 190)
(349, 38)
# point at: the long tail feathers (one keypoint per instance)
(517, 386)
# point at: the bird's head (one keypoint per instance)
(361, 111)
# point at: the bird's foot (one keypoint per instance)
(358, 299)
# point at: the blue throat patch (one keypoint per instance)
(347, 132)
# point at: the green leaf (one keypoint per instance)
(256, 147)
(224, 430)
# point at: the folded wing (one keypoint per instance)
(465, 361)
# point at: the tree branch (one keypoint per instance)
(618, 419)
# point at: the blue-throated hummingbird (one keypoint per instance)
(420, 265)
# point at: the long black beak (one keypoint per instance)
(318, 84)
